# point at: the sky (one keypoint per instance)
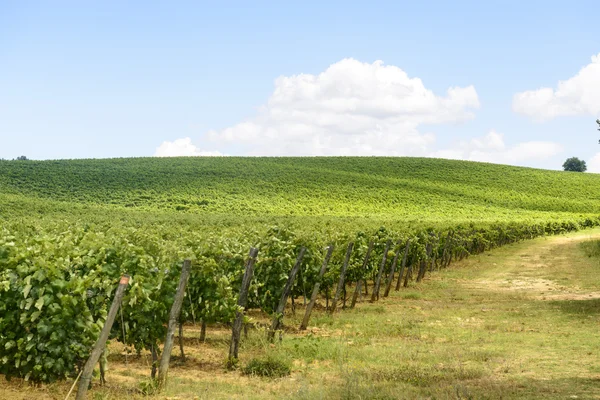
(510, 82)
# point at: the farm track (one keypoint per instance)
(526, 270)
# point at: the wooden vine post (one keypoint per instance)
(403, 266)
(448, 250)
(435, 254)
(315, 292)
(390, 278)
(236, 331)
(341, 282)
(423, 264)
(88, 368)
(163, 367)
(278, 318)
(409, 271)
(361, 278)
(375, 294)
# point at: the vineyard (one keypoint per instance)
(357, 228)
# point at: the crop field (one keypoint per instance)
(405, 233)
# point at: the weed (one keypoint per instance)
(270, 366)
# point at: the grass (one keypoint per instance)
(518, 322)
(269, 366)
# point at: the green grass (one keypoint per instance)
(269, 366)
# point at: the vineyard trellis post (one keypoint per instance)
(390, 277)
(341, 282)
(278, 318)
(446, 250)
(242, 302)
(315, 292)
(88, 369)
(403, 266)
(450, 250)
(163, 367)
(375, 294)
(409, 271)
(361, 277)
(425, 261)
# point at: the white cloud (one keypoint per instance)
(593, 165)
(579, 95)
(352, 108)
(491, 148)
(182, 147)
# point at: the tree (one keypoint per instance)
(22, 158)
(574, 164)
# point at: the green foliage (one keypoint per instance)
(70, 229)
(148, 387)
(56, 290)
(574, 164)
(270, 366)
(406, 189)
(47, 323)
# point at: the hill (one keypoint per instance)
(71, 229)
(400, 189)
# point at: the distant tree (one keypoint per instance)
(22, 158)
(574, 164)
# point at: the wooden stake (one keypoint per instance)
(409, 272)
(242, 302)
(390, 277)
(403, 265)
(278, 318)
(163, 367)
(341, 282)
(404, 258)
(315, 292)
(74, 383)
(449, 250)
(360, 279)
(203, 331)
(154, 352)
(421, 273)
(375, 294)
(88, 368)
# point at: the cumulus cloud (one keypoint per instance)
(593, 165)
(579, 95)
(491, 148)
(182, 147)
(351, 108)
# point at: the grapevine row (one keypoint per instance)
(56, 288)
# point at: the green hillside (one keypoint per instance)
(70, 229)
(414, 189)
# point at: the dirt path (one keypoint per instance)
(537, 269)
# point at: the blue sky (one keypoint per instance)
(108, 79)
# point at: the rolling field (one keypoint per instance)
(71, 228)
(410, 189)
